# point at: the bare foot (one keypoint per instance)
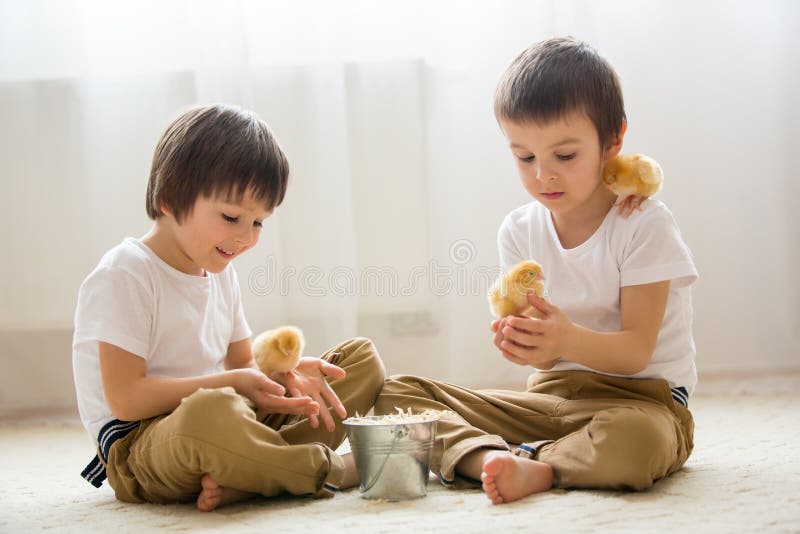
(350, 477)
(507, 477)
(213, 495)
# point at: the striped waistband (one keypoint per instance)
(95, 472)
(681, 396)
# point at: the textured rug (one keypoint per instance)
(743, 476)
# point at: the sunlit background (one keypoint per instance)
(400, 175)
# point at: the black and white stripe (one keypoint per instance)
(526, 451)
(95, 472)
(330, 487)
(445, 481)
(681, 396)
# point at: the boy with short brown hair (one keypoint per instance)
(164, 370)
(612, 346)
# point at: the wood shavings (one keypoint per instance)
(399, 418)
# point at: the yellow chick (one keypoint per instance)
(635, 177)
(278, 350)
(509, 295)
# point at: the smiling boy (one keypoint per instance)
(164, 371)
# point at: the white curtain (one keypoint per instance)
(400, 176)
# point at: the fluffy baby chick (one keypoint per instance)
(509, 295)
(635, 177)
(278, 350)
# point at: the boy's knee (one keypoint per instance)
(359, 355)
(399, 386)
(405, 383)
(359, 343)
(208, 410)
(649, 430)
(637, 446)
(210, 399)
(365, 353)
(360, 348)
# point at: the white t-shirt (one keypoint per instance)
(585, 281)
(180, 324)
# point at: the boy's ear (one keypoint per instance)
(616, 143)
(165, 209)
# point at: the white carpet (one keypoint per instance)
(743, 476)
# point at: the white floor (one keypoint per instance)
(744, 476)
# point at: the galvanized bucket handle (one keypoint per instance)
(399, 433)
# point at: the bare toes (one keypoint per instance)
(206, 504)
(210, 494)
(208, 482)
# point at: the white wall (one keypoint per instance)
(711, 91)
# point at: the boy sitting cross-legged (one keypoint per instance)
(612, 346)
(164, 372)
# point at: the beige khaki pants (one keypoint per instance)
(595, 431)
(215, 431)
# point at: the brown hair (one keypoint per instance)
(215, 150)
(557, 76)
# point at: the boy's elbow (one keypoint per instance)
(636, 368)
(121, 413)
(641, 359)
(120, 408)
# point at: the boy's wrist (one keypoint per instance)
(570, 340)
(237, 379)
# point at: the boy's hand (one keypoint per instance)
(268, 395)
(537, 341)
(308, 380)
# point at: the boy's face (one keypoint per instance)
(213, 233)
(560, 162)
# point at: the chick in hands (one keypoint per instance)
(635, 177)
(278, 350)
(509, 294)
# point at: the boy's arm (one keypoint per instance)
(628, 351)
(532, 341)
(132, 395)
(240, 355)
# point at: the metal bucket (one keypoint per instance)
(393, 460)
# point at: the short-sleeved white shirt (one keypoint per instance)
(180, 324)
(585, 281)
